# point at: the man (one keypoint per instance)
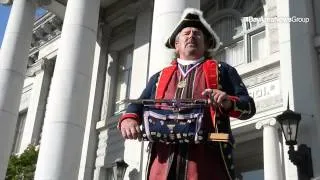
(193, 75)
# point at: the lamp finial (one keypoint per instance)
(288, 106)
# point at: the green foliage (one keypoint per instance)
(22, 167)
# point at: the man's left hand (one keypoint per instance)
(218, 98)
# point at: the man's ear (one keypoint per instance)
(176, 45)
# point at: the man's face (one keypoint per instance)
(190, 43)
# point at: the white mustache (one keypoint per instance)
(192, 42)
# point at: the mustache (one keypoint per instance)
(191, 41)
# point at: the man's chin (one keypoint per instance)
(192, 49)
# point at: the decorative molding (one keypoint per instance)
(263, 77)
(269, 104)
(267, 122)
(265, 88)
(45, 29)
(111, 143)
(42, 65)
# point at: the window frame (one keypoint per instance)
(127, 50)
(21, 122)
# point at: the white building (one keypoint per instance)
(86, 57)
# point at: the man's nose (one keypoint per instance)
(192, 34)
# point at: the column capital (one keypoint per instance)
(40, 65)
(45, 30)
(266, 122)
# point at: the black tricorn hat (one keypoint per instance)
(193, 18)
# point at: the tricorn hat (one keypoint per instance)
(193, 18)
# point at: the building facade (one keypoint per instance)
(64, 79)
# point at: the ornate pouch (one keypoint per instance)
(172, 126)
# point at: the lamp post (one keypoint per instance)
(289, 122)
(119, 169)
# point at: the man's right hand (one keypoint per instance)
(130, 129)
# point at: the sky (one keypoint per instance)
(4, 15)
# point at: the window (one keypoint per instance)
(19, 132)
(235, 54)
(257, 42)
(242, 41)
(123, 79)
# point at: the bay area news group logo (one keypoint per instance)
(293, 19)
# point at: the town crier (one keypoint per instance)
(193, 75)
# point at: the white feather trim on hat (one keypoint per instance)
(191, 11)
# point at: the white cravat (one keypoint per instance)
(191, 64)
(188, 62)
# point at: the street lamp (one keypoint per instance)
(289, 122)
(119, 169)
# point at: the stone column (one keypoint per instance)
(271, 151)
(13, 65)
(166, 15)
(300, 76)
(64, 124)
(90, 141)
(42, 70)
(139, 77)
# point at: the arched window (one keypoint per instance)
(243, 41)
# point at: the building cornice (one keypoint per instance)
(6, 2)
(37, 2)
(46, 29)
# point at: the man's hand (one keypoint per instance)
(130, 129)
(218, 98)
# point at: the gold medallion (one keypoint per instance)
(182, 84)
